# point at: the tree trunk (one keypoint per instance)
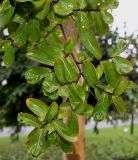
(70, 30)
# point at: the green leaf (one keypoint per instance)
(65, 145)
(65, 7)
(107, 17)
(90, 43)
(52, 112)
(36, 74)
(64, 132)
(84, 109)
(82, 4)
(120, 86)
(33, 30)
(110, 71)
(38, 107)
(50, 139)
(99, 71)
(119, 104)
(94, 3)
(122, 65)
(108, 88)
(89, 73)
(66, 70)
(111, 4)
(29, 119)
(69, 46)
(18, 19)
(40, 56)
(8, 55)
(43, 12)
(20, 35)
(50, 83)
(67, 91)
(101, 108)
(100, 26)
(6, 13)
(36, 142)
(83, 21)
(79, 91)
(119, 48)
(73, 123)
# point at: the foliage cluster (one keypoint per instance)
(38, 27)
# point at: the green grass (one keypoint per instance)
(110, 144)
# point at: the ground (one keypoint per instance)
(110, 144)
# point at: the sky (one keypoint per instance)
(126, 12)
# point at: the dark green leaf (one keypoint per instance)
(6, 12)
(33, 30)
(89, 73)
(101, 108)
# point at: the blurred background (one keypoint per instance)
(114, 139)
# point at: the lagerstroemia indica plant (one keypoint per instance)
(37, 27)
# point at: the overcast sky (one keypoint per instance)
(126, 12)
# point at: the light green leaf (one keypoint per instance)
(84, 109)
(119, 104)
(29, 119)
(79, 91)
(99, 71)
(107, 17)
(50, 83)
(90, 43)
(38, 107)
(65, 7)
(110, 4)
(36, 74)
(73, 124)
(52, 112)
(64, 132)
(40, 56)
(89, 73)
(122, 65)
(36, 142)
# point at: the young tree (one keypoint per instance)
(40, 27)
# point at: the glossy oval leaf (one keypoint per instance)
(29, 119)
(36, 74)
(89, 73)
(38, 107)
(122, 65)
